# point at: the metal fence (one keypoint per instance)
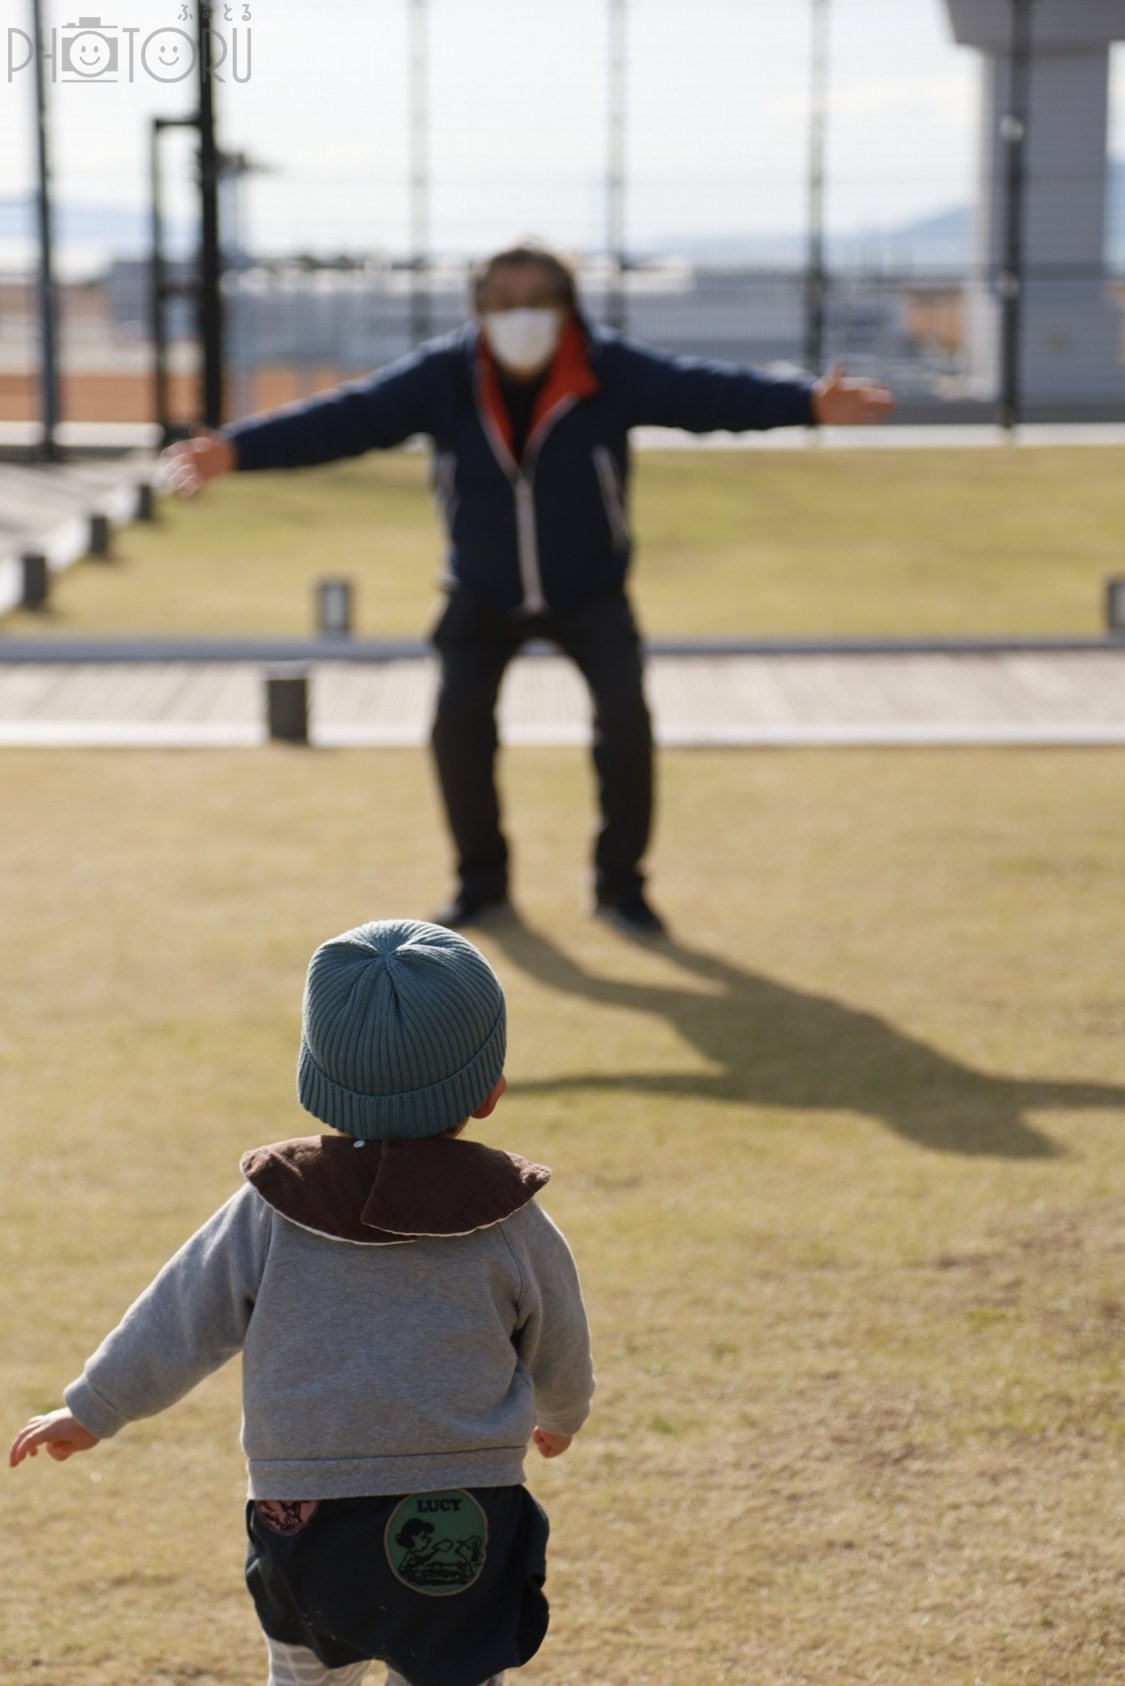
(1010, 302)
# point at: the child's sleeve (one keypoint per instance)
(553, 1335)
(188, 1322)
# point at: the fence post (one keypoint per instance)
(287, 703)
(334, 608)
(98, 544)
(36, 581)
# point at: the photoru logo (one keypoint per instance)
(92, 51)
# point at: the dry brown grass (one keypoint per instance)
(842, 1166)
(748, 543)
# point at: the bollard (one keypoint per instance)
(287, 703)
(98, 545)
(146, 502)
(1115, 604)
(334, 608)
(36, 582)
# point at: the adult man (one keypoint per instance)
(529, 408)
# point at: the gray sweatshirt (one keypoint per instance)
(417, 1360)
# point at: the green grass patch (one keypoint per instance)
(845, 543)
(841, 1165)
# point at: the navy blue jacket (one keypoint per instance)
(552, 529)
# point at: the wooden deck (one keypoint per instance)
(824, 698)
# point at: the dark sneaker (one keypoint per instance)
(631, 914)
(466, 909)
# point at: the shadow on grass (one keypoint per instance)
(781, 1047)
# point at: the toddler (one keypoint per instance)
(409, 1319)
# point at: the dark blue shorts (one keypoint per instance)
(444, 1587)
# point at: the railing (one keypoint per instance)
(294, 327)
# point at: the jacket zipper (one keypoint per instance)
(522, 484)
(527, 545)
(445, 488)
(611, 496)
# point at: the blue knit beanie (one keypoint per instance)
(404, 1031)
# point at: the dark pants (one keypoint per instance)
(347, 1581)
(476, 643)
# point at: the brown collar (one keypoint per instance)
(381, 1192)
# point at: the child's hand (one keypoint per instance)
(61, 1433)
(551, 1445)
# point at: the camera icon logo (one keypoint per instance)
(89, 51)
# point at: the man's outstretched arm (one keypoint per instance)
(657, 389)
(373, 414)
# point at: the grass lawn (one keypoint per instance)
(834, 542)
(841, 1164)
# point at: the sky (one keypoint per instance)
(717, 99)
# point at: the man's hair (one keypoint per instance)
(526, 255)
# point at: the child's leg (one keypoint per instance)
(394, 1679)
(295, 1665)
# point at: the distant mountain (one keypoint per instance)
(936, 242)
(946, 239)
(117, 227)
(941, 241)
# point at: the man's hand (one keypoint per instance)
(550, 1445)
(190, 463)
(61, 1433)
(842, 402)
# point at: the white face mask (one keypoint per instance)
(523, 340)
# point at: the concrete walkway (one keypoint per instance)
(1021, 695)
(1066, 693)
(46, 508)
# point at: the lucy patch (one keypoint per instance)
(287, 1516)
(435, 1542)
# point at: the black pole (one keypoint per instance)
(161, 289)
(157, 285)
(815, 278)
(210, 257)
(615, 168)
(1013, 132)
(48, 301)
(421, 324)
